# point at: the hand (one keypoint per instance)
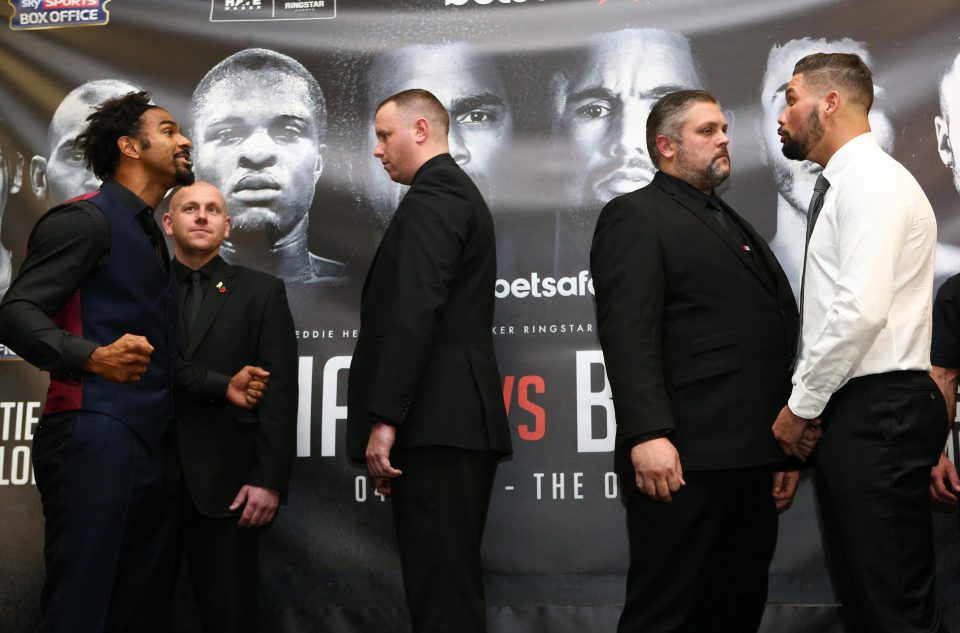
(789, 430)
(124, 361)
(656, 465)
(247, 387)
(811, 435)
(944, 482)
(261, 505)
(784, 487)
(382, 438)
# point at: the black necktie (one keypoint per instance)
(816, 203)
(813, 212)
(191, 304)
(725, 222)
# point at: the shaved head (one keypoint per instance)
(416, 103)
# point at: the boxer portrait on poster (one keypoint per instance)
(259, 119)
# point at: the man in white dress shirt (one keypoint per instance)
(865, 352)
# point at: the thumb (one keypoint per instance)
(777, 482)
(240, 499)
(952, 476)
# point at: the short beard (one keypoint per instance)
(807, 136)
(184, 177)
(706, 179)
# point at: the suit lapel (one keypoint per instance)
(778, 283)
(763, 253)
(703, 214)
(221, 285)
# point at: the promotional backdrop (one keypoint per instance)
(548, 102)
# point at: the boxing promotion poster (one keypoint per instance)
(548, 101)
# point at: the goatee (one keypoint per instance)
(184, 177)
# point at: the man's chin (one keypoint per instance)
(792, 150)
(619, 186)
(184, 177)
(254, 219)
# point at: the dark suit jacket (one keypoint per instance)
(223, 447)
(424, 359)
(697, 338)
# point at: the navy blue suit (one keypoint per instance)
(102, 454)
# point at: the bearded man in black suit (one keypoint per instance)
(698, 327)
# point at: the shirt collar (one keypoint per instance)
(182, 271)
(129, 199)
(690, 190)
(436, 160)
(849, 154)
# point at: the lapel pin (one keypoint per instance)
(221, 288)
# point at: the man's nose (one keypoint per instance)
(258, 151)
(458, 148)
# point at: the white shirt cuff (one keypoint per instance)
(806, 404)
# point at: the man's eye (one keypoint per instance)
(289, 133)
(227, 136)
(477, 117)
(594, 111)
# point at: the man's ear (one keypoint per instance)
(833, 101)
(944, 146)
(226, 227)
(168, 223)
(421, 130)
(129, 146)
(321, 161)
(666, 146)
(38, 177)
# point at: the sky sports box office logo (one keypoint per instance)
(57, 14)
(254, 10)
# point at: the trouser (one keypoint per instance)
(221, 559)
(700, 563)
(882, 434)
(440, 508)
(110, 516)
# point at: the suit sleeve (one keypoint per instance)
(432, 227)
(65, 247)
(626, 261)
(277, 412)
(200, 381)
